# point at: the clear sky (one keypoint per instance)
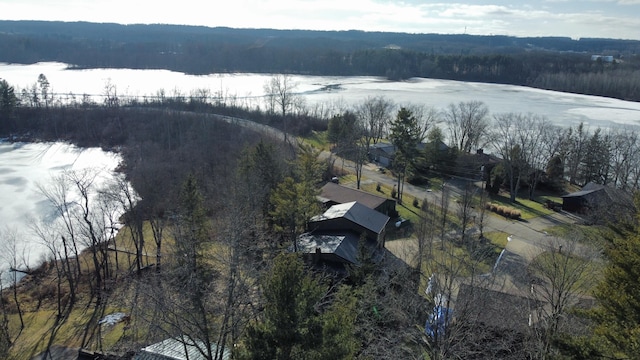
(618, 19)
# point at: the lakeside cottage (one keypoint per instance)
(334, 237)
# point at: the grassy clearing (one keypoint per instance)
(435, 182)
(37, 332)
(37, 297)
(580, 274)
(348, 178)
(498, 239)
(543, 198)
(406, 210)
(318, 139)
(452, 259)
(587, 234)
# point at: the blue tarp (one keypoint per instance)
(437, 321)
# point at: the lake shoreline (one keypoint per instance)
(330, 92)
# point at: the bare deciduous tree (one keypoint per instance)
(625, 151)
(279, 90)
(511, 140)
(58, 195)
(120, 191)
(426, 116)
(466, 211)
(468, 123)
(563, 275)
(374, 114)
(13, 255)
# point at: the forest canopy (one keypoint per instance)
(555, 63)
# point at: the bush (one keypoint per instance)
(505, 211)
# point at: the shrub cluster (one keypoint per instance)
(505, 211)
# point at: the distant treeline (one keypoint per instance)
(554, 63)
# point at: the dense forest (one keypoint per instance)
(552, 63)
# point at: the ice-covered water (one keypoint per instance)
(24, 168)
(561, 108)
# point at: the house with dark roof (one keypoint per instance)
(334, 236)
(499, 322)
(352, 216)
(334, 194)
(601, 202)
(476, 165)
(339, 247)
(383, 153)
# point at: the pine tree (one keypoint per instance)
(618, 312)
(405, 136)
(339, 326)
(293, 202)
(193, 228)
(289, 325)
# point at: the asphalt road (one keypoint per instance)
(527, 238)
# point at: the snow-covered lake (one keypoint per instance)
(24, 168)
(561, 108)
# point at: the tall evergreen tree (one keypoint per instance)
(618, 312)
(405, 136)
(596, 160)
(289, 326)
(8, 103)
(193, 228)
(293, 202)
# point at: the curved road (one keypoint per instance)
(527, 239)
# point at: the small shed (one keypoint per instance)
(601, 201)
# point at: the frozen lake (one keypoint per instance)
(560, 108)
(24, 167)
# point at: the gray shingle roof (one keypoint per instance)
(344, 245)
(579, 193)
(613, 194)
(357, 213)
